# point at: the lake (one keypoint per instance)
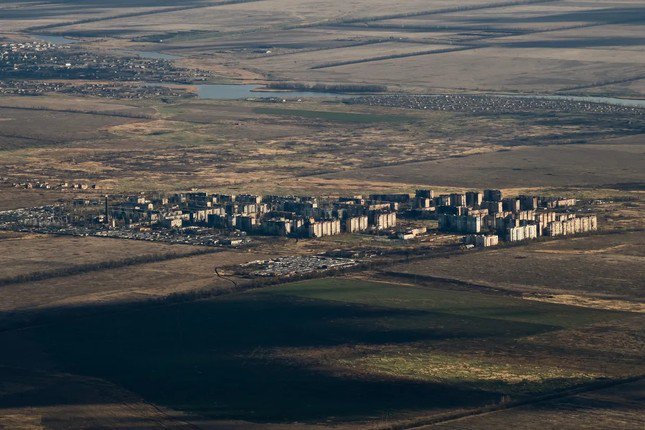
(240, 92)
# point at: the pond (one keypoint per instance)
(240, 91)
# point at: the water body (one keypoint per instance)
(240, 92)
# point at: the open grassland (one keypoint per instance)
(15, 198)
(235, 145)
(601, 271)
(55, 128)
(332, 351)
(600, 164)
(42, 398)
(130, 283)
(22, 254)
(331, 116)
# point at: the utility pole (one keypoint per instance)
(107, 214)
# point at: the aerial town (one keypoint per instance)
(328, 215)
(483, 218)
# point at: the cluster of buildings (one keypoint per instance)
(41, 60)
(485, 217)
(483, 103)
(295, 216)
(488, 217)
(294, 265)
(44, 185)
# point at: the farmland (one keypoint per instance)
(579, 47)
(23, 254)
(549, 166)
(255, 356)
(604, 268)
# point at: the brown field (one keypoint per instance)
(15, 198)
(21, 254)
(618, 407)
(550, 166)
(56, 128)
(66, 401)
(239, 145)
(132, 283)
(575, 45)
(603, 271)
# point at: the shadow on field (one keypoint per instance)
(214, 358)
(211, 357)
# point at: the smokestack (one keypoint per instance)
(107, 215)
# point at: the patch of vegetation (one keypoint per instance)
(491, 374)
(349, 117)
(213, 357)
(328, 88)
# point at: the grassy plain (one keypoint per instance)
(329, 351)
(240, 145)
(603, 271)
(615, 407)
(130, 283)
(22, 254)
(603, 164)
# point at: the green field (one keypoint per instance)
(331, 350)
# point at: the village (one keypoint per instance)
(36, 68)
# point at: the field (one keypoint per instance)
(602, 271)
(331, 351)
(592, 165)
(579, 47)
(22, 254)
(16, 198)
(615, 407)
(240, 145)
(48, 273)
